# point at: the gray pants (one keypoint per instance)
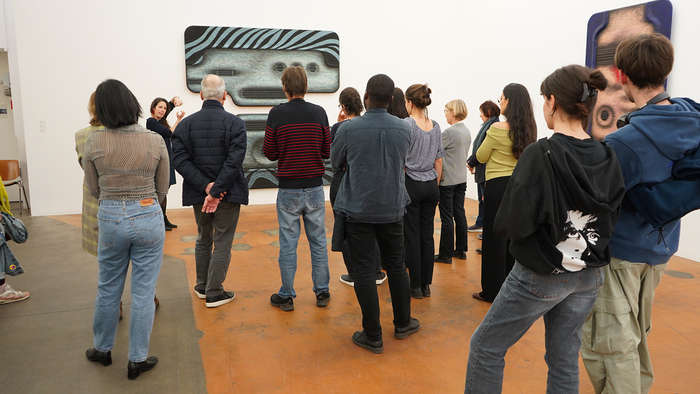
(216, 231)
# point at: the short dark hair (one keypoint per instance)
(294, 81)
(380, 89)
(115, 105)
(520, 117)
(566, 84)
(490, 109)
(646, 59)
(350, 99)
(397, 106)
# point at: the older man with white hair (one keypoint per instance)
(208, 151)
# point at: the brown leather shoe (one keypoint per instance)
(155, 299)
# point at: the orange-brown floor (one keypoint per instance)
(248, 346)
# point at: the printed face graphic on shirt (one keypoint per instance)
(580, 232)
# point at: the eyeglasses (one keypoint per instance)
(504, 98)
(340, 106)
(446, 110)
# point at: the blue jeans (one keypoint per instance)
(128, 231)
(563, 299)
(310, 205)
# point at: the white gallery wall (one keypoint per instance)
(60, 51)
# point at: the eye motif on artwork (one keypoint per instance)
(605, 31)
(251, 60)
(580, 232)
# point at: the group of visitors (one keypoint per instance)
(548, 209)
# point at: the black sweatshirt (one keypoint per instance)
(561, 205)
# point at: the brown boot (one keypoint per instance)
(155, 299)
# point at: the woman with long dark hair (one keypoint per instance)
(560, 209)
(397, 106)
(127, 169)
(423, 169)
(489, 113)
(158, 122)
(501, 149)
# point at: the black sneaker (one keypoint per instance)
(381, 278)
(412, 327)
(480, 236)
(441, 259)
(474, 229)
(322, 299)
(221, 299)
(285, 304)
(461, 255)
(360, 339)
(417, 293)
(200, 294)
(478, 250)
(348, 280)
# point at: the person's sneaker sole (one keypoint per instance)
(200, 295)
(220, 302)
(382, 280)
(11, 300)
(347, 282)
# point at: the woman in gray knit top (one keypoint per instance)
(127, 169)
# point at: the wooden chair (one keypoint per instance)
(11, 175)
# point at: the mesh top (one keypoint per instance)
(126, 164)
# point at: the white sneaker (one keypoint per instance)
(381, 278)
(12, 295)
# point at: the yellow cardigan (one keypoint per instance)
(496, 151)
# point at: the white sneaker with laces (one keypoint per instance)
(381, 278)
(11, 295)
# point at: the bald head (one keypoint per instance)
(213, 88)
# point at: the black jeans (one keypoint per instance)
(480, 194)
(390, 239)
(453, 220)
(496, 260)
(419, 227)
(347, 259)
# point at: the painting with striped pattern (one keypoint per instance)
(251, 60)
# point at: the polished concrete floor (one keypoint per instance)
(248, 346)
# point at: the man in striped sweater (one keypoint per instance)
(297, 137)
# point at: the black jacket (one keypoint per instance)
(209, 146)
(558, 212)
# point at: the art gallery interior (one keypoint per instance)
(54, 54)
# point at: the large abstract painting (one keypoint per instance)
(605, 31)
(251, 60)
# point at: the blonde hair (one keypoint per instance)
(459, 108)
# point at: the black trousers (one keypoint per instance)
(454, 220)
(419, 227)
(390, 239)
(496, 260)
